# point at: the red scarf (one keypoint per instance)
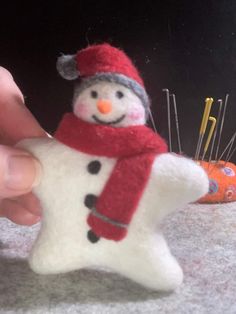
(135, 148)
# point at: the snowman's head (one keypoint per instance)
(108, 88)
(108, 103)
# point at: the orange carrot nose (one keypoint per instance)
(104, 106)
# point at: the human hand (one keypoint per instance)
(19, 171)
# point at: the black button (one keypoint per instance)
(92, 237)
(90, 200)
(94, 167)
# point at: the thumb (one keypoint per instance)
(19, 172)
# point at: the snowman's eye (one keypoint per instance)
(119, 94)
(94, 94)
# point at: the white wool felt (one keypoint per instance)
(143, 255)
(129, 105)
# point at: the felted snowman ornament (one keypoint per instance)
(107, 179)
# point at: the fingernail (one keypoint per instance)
(23, 173)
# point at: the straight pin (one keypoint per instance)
(176, 122)
(213, 124)
(168, 116)
(152, 120)
(216, 129)
(227, 146)
(221, 126)
(208, 104)
(231, 155)
(229, 150)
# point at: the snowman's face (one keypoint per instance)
(109, 104)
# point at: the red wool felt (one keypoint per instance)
(105, 59)
(105, 229)
(135, 147)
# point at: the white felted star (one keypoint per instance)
(142, 255)
(104, 147)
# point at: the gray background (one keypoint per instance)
(202, 237)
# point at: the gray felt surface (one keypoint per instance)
(202, 237)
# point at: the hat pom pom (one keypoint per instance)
(67, 67)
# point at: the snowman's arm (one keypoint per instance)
(179, 180)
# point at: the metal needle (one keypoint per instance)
(231, 155)
(168, 116)
(221, 125)
(230, 148)
(176, 122)
(229, 143)
(213, 124)
(208, 104)
(152, 120)
(216, 128)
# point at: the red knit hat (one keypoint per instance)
(102, 63)
(105, 59)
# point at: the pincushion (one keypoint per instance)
(222, 177)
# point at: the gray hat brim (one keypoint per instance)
(114, 78)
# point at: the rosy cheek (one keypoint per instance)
(136, 114)
(81, 110)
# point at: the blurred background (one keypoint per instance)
(188, 47)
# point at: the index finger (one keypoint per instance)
(16, 121)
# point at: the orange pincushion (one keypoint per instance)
(222, 182)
